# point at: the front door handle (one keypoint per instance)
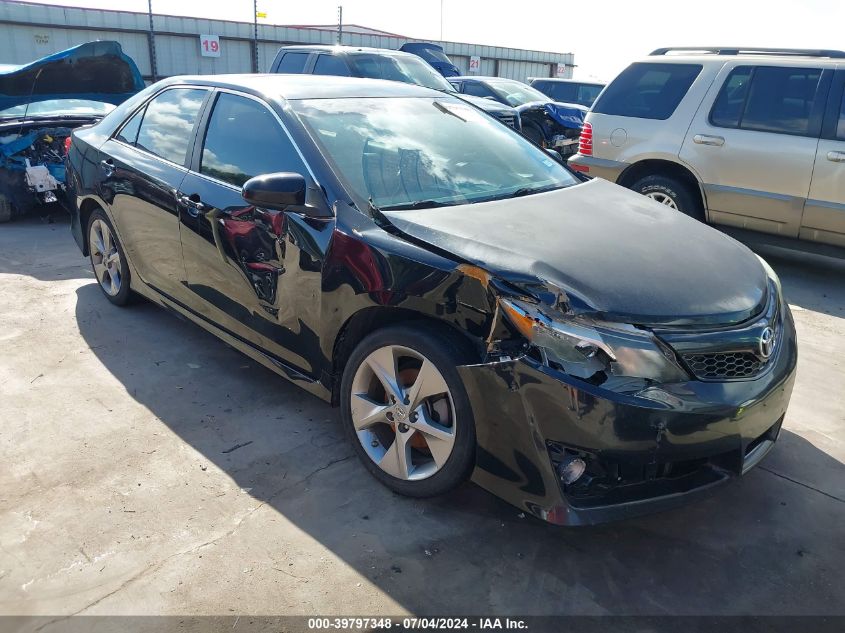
(193, 204)
(706, 139)
(107, 166)
(836, 157)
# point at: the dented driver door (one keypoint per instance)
(248, 270)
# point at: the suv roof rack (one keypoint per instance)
(750, 50)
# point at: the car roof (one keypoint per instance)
(338, 48)
(559, 80)
(307, 86)
(482, 78)
(714, 59)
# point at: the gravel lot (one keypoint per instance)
(120, 490)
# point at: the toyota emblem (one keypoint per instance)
(767, 342)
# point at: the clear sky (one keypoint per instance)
(604, 35)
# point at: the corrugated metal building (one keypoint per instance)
(29, 31)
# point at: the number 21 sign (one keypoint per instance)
(210, 45)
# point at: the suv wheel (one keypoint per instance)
(406, 411)
(672, 193)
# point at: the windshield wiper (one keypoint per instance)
(417, 204)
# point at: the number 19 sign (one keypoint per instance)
(210, 45)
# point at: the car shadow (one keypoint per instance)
(40, 258)
(809, 281)
(768, 543)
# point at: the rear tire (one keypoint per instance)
(435, 433)
(672, 193)
(108, 259)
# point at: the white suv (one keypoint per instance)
(749, 139)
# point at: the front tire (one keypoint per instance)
(671, 193)
(5, 209)
(108, 259)
(406, 412)
(533, 133)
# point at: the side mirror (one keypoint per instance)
(278, 191)
(554, 154)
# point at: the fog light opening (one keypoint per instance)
(570, 469)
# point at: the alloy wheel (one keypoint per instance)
(662, 198)
(105, 257)
(403, 413)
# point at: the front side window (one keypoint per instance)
(477, 89)
(331, 65)
(768, 99)
(647, 91)
(840, 124)
(465, 156)
(244, 139)
(292, 63)
(168, 123)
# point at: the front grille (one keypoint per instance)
(506, 118)
(723, 365)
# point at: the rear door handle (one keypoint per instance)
(706, 139)
(836, 157)
(107, 166)
(193, 204)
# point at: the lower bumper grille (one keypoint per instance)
(724, 365)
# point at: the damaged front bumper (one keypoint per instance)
(644, 452)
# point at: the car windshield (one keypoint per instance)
(411, 153)
(58, 107)
(409, 69)
(435, 54)
(516, 93)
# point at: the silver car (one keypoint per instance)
(749, 139)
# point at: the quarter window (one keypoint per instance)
(168, 123)
(243, 140)
(292, 63)
(647, 91)
(129, 132)
(331, 65)
(768, 99)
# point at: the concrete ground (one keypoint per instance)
(121, 491)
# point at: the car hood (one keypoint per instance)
(488, 105)
(97, 71)
(610, 250)
(570, 115)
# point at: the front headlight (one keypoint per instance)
(584, 347)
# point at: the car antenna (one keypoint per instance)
(29, 100)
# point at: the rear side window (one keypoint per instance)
(292, 63)
(647, 91)
(331, 65)
(768, 99)
(243, 140)
(168, 123)
(840, 123)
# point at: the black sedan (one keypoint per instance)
(474, 308)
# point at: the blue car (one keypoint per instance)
(434, 55)
(40, 104)
(548, 123)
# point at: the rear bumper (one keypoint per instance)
(643, 454)
(598, 167)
